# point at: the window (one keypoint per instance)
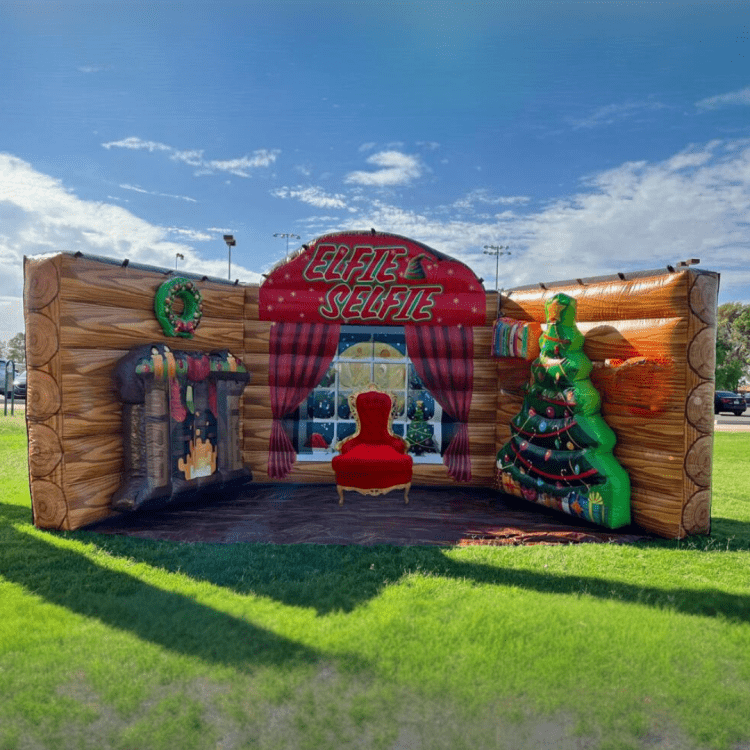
(370, 354)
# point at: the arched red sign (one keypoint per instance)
(363, 278)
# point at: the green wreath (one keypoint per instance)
(185, 323)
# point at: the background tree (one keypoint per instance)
(15, 349)
(732, 345)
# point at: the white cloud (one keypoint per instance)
(485, 197)
(38, 214)
(194, 157)
(137, 144)
(642, 215)
(137, 189)
(11, 318)
(462, 239)
(314, 196)
(688, 158)
(508, 200)
(261, 158)
(193, 235)
(639, 215)
(699, 188)
(612, 113)
(395, 168)
(314, 226)
(733, 97)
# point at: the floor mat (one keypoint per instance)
(310, 514)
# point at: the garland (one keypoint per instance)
(173, 324)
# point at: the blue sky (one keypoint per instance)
(589, 137)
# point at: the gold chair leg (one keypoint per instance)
(340, 490)
(406, 494)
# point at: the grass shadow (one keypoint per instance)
(726, 533)
(335, 578)
(175, 622)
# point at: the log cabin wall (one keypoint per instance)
(661, 409)
(82, 315)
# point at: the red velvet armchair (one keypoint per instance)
(373, 461)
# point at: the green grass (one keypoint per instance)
(113, 642)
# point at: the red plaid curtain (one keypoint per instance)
(443, 357)
(300, 355)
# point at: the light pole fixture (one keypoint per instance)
(497, 251)
(288, 237)
(229, 239)
(176, 256)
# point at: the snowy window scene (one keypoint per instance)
(371, 354)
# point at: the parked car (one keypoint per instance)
(2, 376)
(728, 401)
(19, 385)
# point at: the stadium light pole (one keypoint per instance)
(229, 239)
(497, 251)
(288, 237)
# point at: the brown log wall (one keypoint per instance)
(44, 395)
(82, 316)
(666, 443)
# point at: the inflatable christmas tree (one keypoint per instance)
(560, 452)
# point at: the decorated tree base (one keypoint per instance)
(560, 452)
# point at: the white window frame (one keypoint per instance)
(326, 456)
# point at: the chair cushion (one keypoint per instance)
(372, 467)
